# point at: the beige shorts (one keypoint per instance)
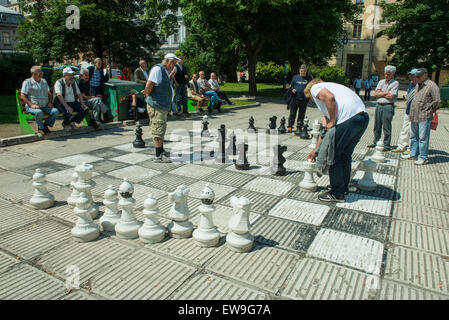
(158, 121)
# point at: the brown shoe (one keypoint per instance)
(46, 129)
(42, 132)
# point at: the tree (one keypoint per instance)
(421, 31)
(123, 26)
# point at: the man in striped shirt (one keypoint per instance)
(404, 137)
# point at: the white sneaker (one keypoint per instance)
(420, 162)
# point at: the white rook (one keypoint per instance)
(206, 235)
(367, 183)
(41, 199)
(128, 226)
(151, 231)
(378, 155)
(308, 184)
(85, 229)
(71, 201)
(111, 214)
(85, 184)
(239, 238)
(315, 133)
(180, 227)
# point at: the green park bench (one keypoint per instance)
(25, 117)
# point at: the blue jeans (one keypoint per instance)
(419, 139)
(347, 135)
(213, 98)
(39, 116)
(80, 113)
(181, 98)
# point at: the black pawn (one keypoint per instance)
(282, 128)
(232, 148)
(251, 125)
(205, 130)
(242, 162)
(278, 168)
(272, 124)
(221, 139)
(139, 143)
(305, 131)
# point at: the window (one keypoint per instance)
(175, 37)
(357, 33)
(360, 2)
(6, 39)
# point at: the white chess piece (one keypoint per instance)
(41, 199)
(206, 235)
(128, 226)
(315, 132)
(71, 201)
(378, 155)
(111, 214)
(308, 184)
(180, 227)
(85, 229)
(367, 183)
(151, 231)
(239, 238)
(85, 184)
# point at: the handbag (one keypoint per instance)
(434, 122)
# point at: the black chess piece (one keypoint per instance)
(251, 127)
(242, 162)
(305, 130)
(232, 148)
(139, 143)
(205, 130)
(272, 124)
(278, 168)
(222, 157)
(282, 128)
(299, 126)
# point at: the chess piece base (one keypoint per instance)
(378, 158)
(239, 242)
(242, 166)
(139, 144)
(42, 202)
(366, 185)
(127, 230)
(206, 238)
(180, 229)
(86, 234)
(108, 223)
(308, 186)
(151, 234)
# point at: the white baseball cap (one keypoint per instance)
(171, 56)
(67, 70)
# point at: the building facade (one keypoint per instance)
(171, 43)
(9, 21)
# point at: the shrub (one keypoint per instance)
(15, 68)
(57, 74)
(271, 73)
(330, 74)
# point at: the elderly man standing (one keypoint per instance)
(181, 79)
(98, 78)
(37, 96)
(299, 83)
(425, 103)
(386, 94)
(141, 73)
(159, 98)
(67, 92)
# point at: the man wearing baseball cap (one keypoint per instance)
(404, 137)
(424, 105)
(159, 97)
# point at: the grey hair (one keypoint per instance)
(390, 68)
(35, 69)
(97, 60)
(83, 71)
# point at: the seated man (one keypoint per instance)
(66, 91)
(206, 90)
(94, 102)
(37, 96)
(194, 90)
(137, 106)
(216, 87)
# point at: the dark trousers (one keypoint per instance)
(367, 94)
(383, 118)
(357, 90)
(347, 135)
(95, 91)
(223, 96)
(78, 117)
(302, 106)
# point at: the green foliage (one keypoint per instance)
(14, 69)
(330, 74)
(8, 109)
(272, 73)
(57, 74)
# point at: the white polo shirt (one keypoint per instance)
(348, 103)
(69, 94)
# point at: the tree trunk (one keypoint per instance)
(252, 61)
(437, 76)
(294, 63)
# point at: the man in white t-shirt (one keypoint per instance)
(344, 110)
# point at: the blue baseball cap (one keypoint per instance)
(413, 71)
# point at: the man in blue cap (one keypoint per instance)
(404, 137)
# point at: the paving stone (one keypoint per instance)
(358, 223)
(141, 193)
(7, 262)
(103, 182)
(269, 186)
(385, 192)
(233, 179)
(300, 211)
(422, 215)
(168, 182)
(107, 153)
(106, 166)
(83, 256)
(128, 147)
(8, 160)
(425, 199)
(132, 158)
(423, 185)
(346, 249)
(283, 233)
(46, 168)
(27, 283)
(264, 267)
(396, 291)
(32, 240)
(319, 280)
(365, 203)
(298, 194)
(193, 171)
(163, 167)
(292, 176)
(209, 287)
(260, 203)
(142, 276)
(379, 178)
(418, 268)
(135, 174)
(13, 216)
(254, 169)
(79, 295)
(77, 159)
(64, 177)
(299, 156)
(416, 236)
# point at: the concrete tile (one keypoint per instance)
(220, 190)
(15, 161)
(422, 215)
(425, 199)
(135, 174)
(128, 147)
(7, 262)
(106, 166)
(77, 159)
(269, 186)
(132, 158)
(397, 291)
(193, 171)
(45, 167)
(14, 216)
(365, 203)
(168, 182)
(260, 203)
(379, 178)
(107, 153)
(233, 179)
(64, 177)
(300, 211)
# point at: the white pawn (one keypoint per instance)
(111, 214)
(85, 184)
(128, 226)
(308, 184)
(206, 235)
(85, 229)
(239, 238)
(151, 231)
(315, 132)
(41, 199)
(367, 183)
(71, 201)
(180, 227)
(378, 155)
